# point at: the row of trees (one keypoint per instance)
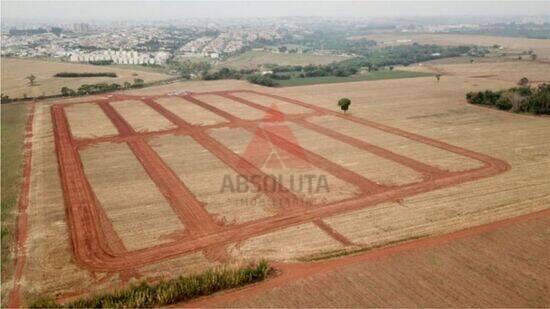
(85, 74)
(520, 99)
(101, 87)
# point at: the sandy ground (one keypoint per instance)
(502, 268)
(141, 117)
(424, 153)
(285, 107)
(189, 112)
(89, 121)
(129, 198)
(420, 105)
(374, 168)
(204, 174)
(15, 85)
(293, 174)
(232, 107)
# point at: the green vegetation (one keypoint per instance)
(253, 59)
(523, 99)
(376, 75)
(263, 80)
(101, 62)
(344, 104)
(169, 292)
(31, 79)
(85, 74)
(12, 133)
(523, 30)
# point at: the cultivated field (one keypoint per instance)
(167, 182)
(251, 59)
(540, 47)
(15, 70)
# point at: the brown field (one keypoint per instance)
(540, 47)
(410, 162)
(15, 85)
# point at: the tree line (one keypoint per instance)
(85, 74)
(521, 99)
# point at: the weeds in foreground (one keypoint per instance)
(168, 292)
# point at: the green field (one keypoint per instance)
(377, 75)
(13, 134)
(251, 59)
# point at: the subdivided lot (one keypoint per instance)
(376, 75)
(189, 190)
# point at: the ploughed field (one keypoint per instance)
(162, 182)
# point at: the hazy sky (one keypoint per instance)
(154, 10)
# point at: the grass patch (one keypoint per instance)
(251, 59)
(169, 292)
(13, 120)
(376, 75)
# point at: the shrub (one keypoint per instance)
(169, 292)
(263, 80)
(85, 74)
(504, 103)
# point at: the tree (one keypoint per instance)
(127, 85)
(438, 77)
(391, 67)
(31, 79)
(344, 104)
(66, 91)
(471, 60)
(138, 83)
(533, 57)
(523, 81)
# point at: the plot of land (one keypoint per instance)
(111, 206)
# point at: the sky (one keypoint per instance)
(156, 10)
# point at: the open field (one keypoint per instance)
(12, 132)
(539, 46)
(411, 160)
(15, 85)
(251, 59)
(490, 269)
(376, 75)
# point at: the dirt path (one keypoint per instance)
(14, 298)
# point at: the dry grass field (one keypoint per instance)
(540, 47)
(410, 160)
(251, 59)
(15, 85)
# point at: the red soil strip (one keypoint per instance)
(90, 244)
(262, 181)
(333, 233)
(14, 298)
(291, 272)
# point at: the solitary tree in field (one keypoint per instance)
(471, 60)
(31, 79)
(438, 77)
(344, 104)
(523, 81)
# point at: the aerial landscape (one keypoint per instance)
(275, 154)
